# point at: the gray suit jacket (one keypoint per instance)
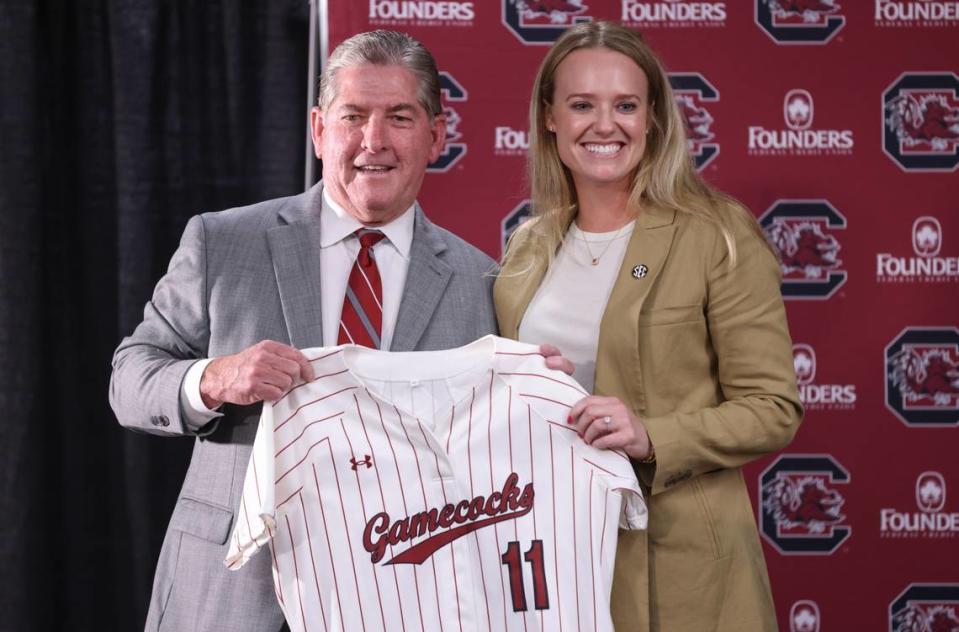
(238, 277)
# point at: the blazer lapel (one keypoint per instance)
(516, 285)
(644, 260)
(426, 280)
(295, 250)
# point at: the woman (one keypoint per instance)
(665, 295)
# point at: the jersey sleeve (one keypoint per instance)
(616, 472)
(255, 518)
(635, 514)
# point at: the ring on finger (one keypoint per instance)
(607, 420)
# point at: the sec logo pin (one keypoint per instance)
(640, 271)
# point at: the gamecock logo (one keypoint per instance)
(453, 151)
(542, 21)
(929, 119)
(808, 252)
(930, 373)
(692, 91)
(922, 376)
(799, 21)
(804, 247)
(925, 608)
(805, 502)
(800, 508)
(921, 121)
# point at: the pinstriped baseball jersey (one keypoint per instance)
(435, 491)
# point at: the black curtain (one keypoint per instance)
(118, 120)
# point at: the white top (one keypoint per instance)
(437, 491)
(338, 249)
(568, 306)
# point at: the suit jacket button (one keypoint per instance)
(164, 421)
(155, 420)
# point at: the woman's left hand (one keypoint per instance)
(606, 423)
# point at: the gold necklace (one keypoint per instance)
(594, 259)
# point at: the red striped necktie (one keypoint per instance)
(362, 319)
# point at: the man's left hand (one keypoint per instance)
(555, 359)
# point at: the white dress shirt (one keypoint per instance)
(338, 249)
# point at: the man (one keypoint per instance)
(249, 286)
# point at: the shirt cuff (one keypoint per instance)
(195, 412)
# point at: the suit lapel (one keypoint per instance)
(516, 285)
(426, 280)
(644, 260)
(295, 250)
(642, 263)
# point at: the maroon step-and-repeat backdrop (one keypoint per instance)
(837, 123)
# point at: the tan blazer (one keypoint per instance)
(702, 354)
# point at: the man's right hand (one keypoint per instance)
(263, 372)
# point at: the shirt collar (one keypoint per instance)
(336, 225)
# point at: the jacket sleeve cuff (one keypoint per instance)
(196, 415)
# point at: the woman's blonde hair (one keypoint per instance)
(666, 176)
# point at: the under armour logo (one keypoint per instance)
(640, 271)
(367, 461)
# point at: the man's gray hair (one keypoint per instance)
(384, 48)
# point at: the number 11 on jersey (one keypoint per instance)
(535, 558)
